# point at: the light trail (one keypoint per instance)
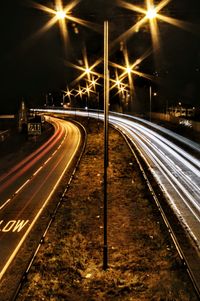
(171, 166)
(18, 217)
(56, 136)
(27, 163)
(175, 169)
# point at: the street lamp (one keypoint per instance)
(61, 15)
(151, 13)
(106, 112)
(68, 94)
(150, 101)
(106, 105)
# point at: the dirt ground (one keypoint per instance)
(142, 261)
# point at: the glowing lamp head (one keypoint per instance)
(151, 13)
(60, 15)
(87, 70)
(128, 70)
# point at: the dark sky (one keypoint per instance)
(32, 67)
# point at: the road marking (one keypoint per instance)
(5, 204)
(20, 188)
(41, 209)
(13, 225)
(34, 174)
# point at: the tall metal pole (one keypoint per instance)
(150, 96)
(98, 107)
(106, 103)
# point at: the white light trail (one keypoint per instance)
(176, 170)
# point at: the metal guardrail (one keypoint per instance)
(4, 135)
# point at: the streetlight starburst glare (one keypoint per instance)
(61, 14)
(151, 13)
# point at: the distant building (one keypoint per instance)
(182, 110)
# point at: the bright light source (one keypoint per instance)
(61, 14)
(128, 70)
(87, 70)
(151, 13)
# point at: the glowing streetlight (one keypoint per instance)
(118, 82)
(87, 70)
(151, 13)
(150, 100)
(61, 14)
(128, 70)
(68, 94)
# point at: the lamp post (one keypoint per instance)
(98, 107)
(106, 104)
(150, 99)
(106, 115)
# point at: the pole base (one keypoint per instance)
(105, 257)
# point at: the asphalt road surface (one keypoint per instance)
(169, 157)
(27, 187)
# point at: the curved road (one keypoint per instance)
(176, 170)
(27, 187)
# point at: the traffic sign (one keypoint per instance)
(34, 128)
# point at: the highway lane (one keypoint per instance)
(176, 170)
(33, 181)
(14, 177)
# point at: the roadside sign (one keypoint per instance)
(34, 128)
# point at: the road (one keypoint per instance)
(27, 187)
(175, 169)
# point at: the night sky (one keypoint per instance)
(31, 67)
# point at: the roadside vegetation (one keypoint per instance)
(143, 262)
